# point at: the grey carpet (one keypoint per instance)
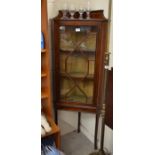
(76, 144)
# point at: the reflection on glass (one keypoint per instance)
(71, 40)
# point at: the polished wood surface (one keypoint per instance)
(109, 100)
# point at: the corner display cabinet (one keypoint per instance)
(79, 52)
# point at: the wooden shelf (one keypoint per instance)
(78, 76)
(55, 129)
(78, 52)
(78, 98)
(43, 50)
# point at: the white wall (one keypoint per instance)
(88, 128)
(95, 4)
(87, 120)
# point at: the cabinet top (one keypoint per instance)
(94, 15)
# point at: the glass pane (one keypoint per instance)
(77, 63)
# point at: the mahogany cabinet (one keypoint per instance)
(79, 51)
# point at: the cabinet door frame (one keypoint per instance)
(99, 65)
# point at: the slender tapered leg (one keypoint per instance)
(96, 131)
(79, 121)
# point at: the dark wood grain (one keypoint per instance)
(109, 100)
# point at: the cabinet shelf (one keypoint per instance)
(77, 98)
(78, 52)
(78, 76)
